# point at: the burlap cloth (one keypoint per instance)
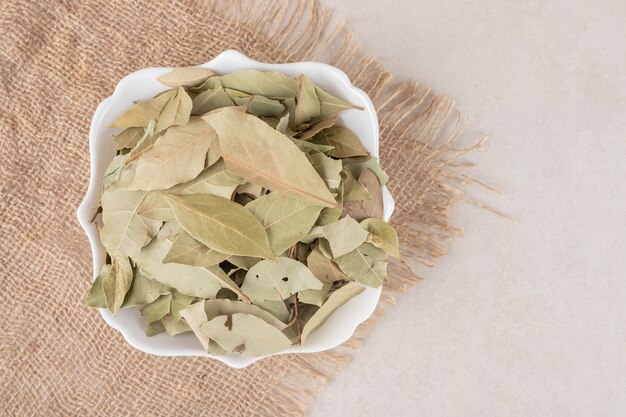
(59, 59)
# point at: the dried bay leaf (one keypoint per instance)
(125, 232)
(188, 251)
(186, 146)
(144, 290)
(276, 308)
(352, 189)
(179, 302)
(327, 168)
(221, 225)
(328, 215)
(253, 190)
(366, 264)
(210, 100)
(317, 127)
(308, 147)
(95, 297)
(174, 327)
(176, 111)
(268, 280)
(283, 124)
(186, 76)
(269, 84)
(324, 268)
(191, 280)
(315, 297)
(342, 236)
(357, 164)
(364, 209)
(382, 235)
(157, 309)
(214, 180)
(336, 300)
(285, 220)
(169, 230)
(128, 138)
(344, 141)
(307, 104)
(154, 206)
(114, 170)
(154, 328)
(243, 262)
(331, 105)
(195, 316)
(255, 151)
(261, 106)
(245, 334)
(214, 308)
(140, 114)
(145, 142)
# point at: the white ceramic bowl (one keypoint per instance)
(142, 85)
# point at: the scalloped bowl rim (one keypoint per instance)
(342, 324)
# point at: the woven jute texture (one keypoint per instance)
(58, 60)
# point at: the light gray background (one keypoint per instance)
(522, 318)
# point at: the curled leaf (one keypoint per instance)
(336, 300)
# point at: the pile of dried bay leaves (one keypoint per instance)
(237, 209)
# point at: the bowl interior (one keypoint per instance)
(142, 85)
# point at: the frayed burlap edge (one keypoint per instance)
(419, 133)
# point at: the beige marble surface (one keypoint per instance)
(522, 318)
